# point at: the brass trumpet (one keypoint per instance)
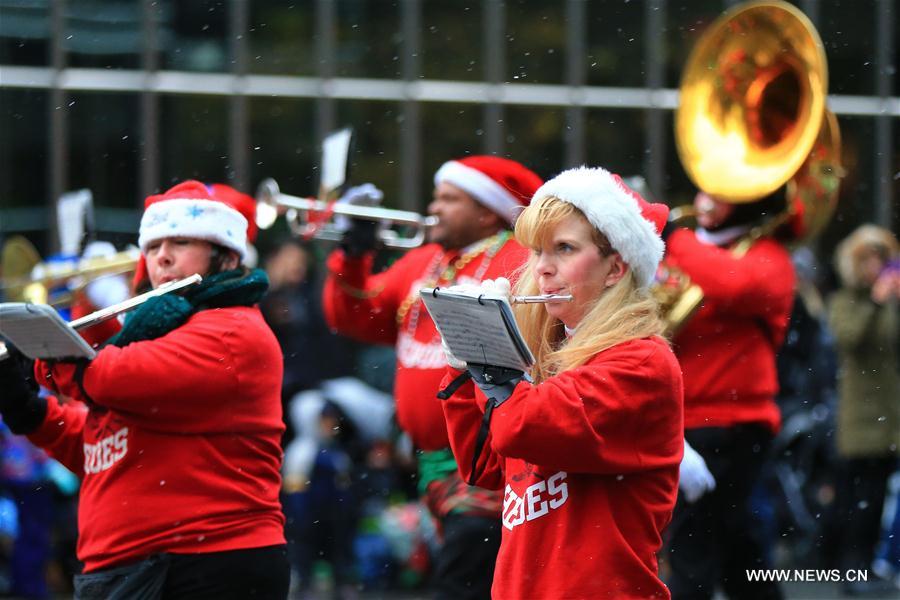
(27, 279)
(298, 211)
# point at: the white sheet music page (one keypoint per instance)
(478, 331)
(38, 331)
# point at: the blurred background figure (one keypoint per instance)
(863, 315)
(796, 502)
(727, 353)
(293, 310)
(333, 422)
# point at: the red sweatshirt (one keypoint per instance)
(365, 307)
(589, 460)
(178, 440)
(727, 350)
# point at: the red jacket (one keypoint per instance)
(178, 440)
(727, 350)
(365, 307)
(589, 460)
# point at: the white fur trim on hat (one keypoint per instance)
(481, 187)
(201, 219)
(615, 212)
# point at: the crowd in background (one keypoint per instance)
(828, 496)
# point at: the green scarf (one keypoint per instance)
(161, 314)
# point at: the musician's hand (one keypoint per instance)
(494, 287)
(695, 478)
(497, 383)
(459, 365)
(497, 287)
(360, 235)
(466, 289)
(23, 410)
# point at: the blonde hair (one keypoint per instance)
(622, 312)
(855, 247)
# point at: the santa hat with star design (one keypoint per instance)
(632, 225)
(502, 185)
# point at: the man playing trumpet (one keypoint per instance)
(476, 201)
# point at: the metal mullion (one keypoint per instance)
(576, 50)
(494, 57)
(59, 130)
(884, 55)
(149, 149)
(238, 128)
(811, 10)
(411, 128)
(654, 56)
(326, 23)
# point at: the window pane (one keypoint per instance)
(281, 38)
(451, 39)
(283, 144)
(104, 138)
(857, 202)
(678, 188)
(848, 33)
(104, 34)
(369, 39)
(449, 131)
(535, 38)
(193, 139)
(535, 137)
(685, 23)
(615, 33)
(376, 146)
(615, 140)
(23, 148)
(194, 34)
(25, 32)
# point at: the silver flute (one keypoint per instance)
(115, 310)
(541, 299)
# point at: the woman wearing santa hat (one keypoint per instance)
(587, 446)
(177, 432)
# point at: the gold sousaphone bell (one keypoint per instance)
(751, 118)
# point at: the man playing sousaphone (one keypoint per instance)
(759, 129)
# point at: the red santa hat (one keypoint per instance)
(504, 186)
(239, 201)
(194, 210)
(632, 225)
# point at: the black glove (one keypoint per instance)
(361, 237)
(497, 383)
(669, 229)
(22, 409)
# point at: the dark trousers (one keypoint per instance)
(861, 487)
(464, 567)
(714, 541)
(261, 573)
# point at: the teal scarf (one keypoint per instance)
(161, 314)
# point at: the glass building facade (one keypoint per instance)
(126, 97)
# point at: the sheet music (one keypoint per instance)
(478, 332)
(39, 332)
